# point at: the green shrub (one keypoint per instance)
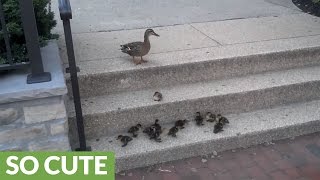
(316, 1)
(45, 22)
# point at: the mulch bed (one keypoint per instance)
(308, 6)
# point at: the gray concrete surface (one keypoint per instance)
(106, 15)
(245, 129)
(105, 115)
(260, 29)
(105, 45)
(14, 87)
(171, 68)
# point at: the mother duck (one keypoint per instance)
(139, 48)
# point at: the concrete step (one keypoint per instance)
(105, 115)
(197, 65)
(196, 52)
(245, 129)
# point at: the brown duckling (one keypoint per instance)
(210, 117)
(155, 134)
(139, 49)
(134, 129)
(218, 127)
(157, 126)
(124, 139)
(181, 123)
(199, 119)
(223, 119)
(157, 96)
(173, 131)
(154, 131)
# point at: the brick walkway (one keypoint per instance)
(292, 159)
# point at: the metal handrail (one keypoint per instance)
(66, 15)
(38, 74)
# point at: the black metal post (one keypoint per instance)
(66, 15)
(32, 41)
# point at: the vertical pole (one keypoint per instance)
(32, 41)
(75, 85)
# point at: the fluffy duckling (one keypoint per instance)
(210, 117)
(173, 131)
(134, 129)
(199, 119)
(154, 131)
(157, 96)
(157, 126)
(124, 139)
(180, 123)
(139, 49)
(218, 127)
(155, 134)
(223, 119)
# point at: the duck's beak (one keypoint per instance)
(156, 34)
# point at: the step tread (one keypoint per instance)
(190, 56)
(247, 124)
(179, 93)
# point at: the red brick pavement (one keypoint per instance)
(291, 159)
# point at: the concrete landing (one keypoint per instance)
(102, 15)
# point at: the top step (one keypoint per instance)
(218, 49)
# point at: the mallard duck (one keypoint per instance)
(181, 123)
(223, 119)
(134, 129)
(139, 48)
(210, 117)
(218, 127)
(199, 119)
(124, 139)
(154, 131)
(173, 131)
(157, 96)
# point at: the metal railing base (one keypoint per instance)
(38, 78)
(84, 149)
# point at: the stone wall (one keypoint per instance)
(33, 117)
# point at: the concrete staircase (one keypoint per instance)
(263, 74)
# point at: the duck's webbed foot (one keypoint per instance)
(142, 60)
(136, 62)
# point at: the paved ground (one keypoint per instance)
(106, 15)
(292, 159)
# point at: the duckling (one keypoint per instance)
(199, 119)
(155, 134)
(223, 119)
(218, 127)
(173, 131)
(180, 123)
(134, 129)
(154, 131)
(157, 126)
(157, 96)
(139, 48)
(124, 139)
(210, 117)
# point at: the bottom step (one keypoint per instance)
(245, 129)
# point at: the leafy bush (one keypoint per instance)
(316, 1)
(45, 22)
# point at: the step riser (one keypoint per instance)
(219, 145)
(98, 125)
(194, 72)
